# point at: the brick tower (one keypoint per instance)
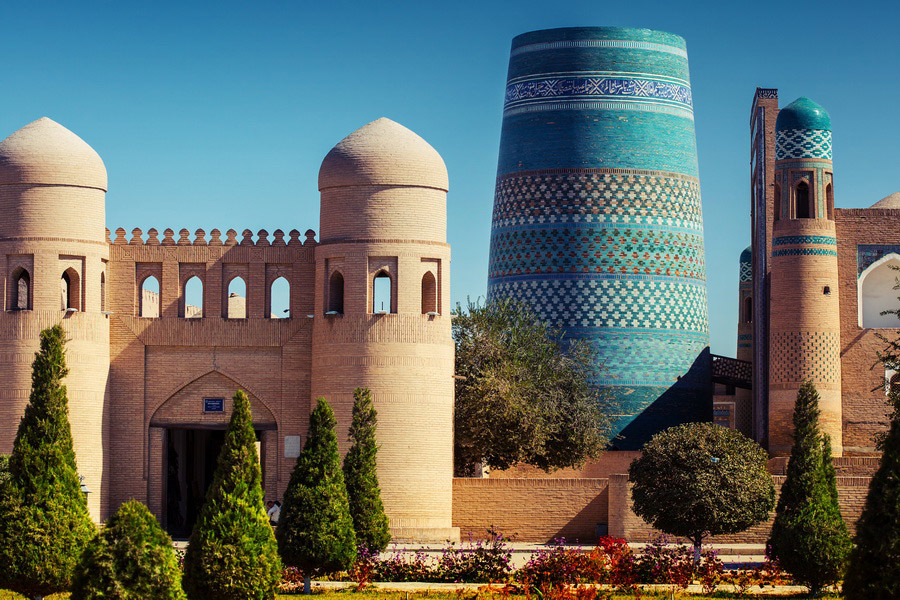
(54, 250)
(804, 314)
(382, 315)
(597, 219)
(743, 398)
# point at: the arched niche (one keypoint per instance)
(185, 407)
(877, 294)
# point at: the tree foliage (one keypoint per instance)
(809, 536)
(44, 520)
(315, 531)
(523, 393)
(232, 554)
(131, 559)
(700, 479)
(361, 477)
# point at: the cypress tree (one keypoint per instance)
(315, 531)
(232, 553)
(809, 537)
(44, 520)
(131, 559)
(874, 571)
(361, 476)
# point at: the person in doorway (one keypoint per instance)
(273, 512)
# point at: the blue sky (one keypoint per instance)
(219, 114)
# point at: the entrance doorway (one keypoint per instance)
(191, 456)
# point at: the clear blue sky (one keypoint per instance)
(219, 114)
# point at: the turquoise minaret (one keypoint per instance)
(597, 221)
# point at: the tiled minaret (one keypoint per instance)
(597, 220)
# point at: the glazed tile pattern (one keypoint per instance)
(804, 252)
(804, 239)
(866, 254)
(803, 143)
(597, 219)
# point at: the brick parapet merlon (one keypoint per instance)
(262, 238)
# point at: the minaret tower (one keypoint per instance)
(382, 315)
(743, 398)
(804, 315)
(54, 253)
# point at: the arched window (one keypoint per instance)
(382, 293)
(777, 201)
(192, 298)
(429, 293)
(877, 293)
(236, 302)
(336, 293)
(829, 200)
(70, 290)
(280, 299)
(801, 201)
(149, 298)
(20, 298)
(103, 292)
(748, 309)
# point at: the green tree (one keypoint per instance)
(361, 476)
(232, 554)
(44, 520)
(130, 559)
(315, 530)
(700, 479)
(523, 393)
(809, 537)
(874, 569)
(4, 469)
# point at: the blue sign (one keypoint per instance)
(214, 405)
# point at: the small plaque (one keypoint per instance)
(291, 446)
(213, 405)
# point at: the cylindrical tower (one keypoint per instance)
(743, 398)
(54, 250)
(804, 311)
(597, 219)
(382, 317)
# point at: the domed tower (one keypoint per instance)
(804, 312)
(382, 316)
(54, 250)
(743, 398)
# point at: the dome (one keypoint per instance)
(383, 153)
(45, 152)
(747, 255)
(803, 113)
(889, 201)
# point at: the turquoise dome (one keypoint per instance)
(803, 113)
(747, 255)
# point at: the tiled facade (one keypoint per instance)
(597, 219)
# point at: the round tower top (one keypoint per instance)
(889, 201)
(45, 152)
(803, 113)
(747, 255)
(383, 152)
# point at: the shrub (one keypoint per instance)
(700, 479)
(561, 565)
(361, 477)
(477, 562)
(315, 531)
(131, 559)
(232, 553)
(44, 521)
(809, 536)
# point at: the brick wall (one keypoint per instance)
(535, 510)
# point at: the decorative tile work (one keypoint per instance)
(804, 252)
(803, 143)
(599, 44)
(866, 254)
(585, 105)
(804, 239)
(596, 86)
(746, 272)
(800, 355)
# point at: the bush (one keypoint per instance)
(232, 553)
(700, 479)
(44, 520)
(809, 536)
(131, 559)
(477, 562)
(315, 531)
(361, 476)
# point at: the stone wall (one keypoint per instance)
(533, 510)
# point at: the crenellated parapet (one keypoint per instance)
(215, 239)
